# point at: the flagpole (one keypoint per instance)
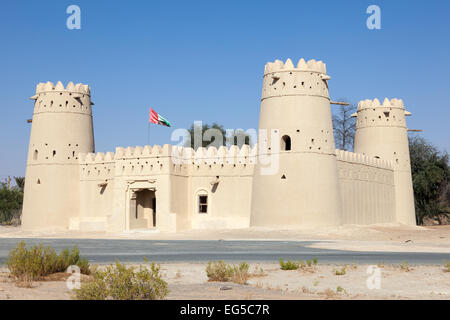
(148, 133)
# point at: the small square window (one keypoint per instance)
(202, 204)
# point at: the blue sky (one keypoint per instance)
(203, 60)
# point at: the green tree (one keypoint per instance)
(10, 204)
(431, 175)
(204, 135)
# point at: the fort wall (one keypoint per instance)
(367, 188)
(178, 175)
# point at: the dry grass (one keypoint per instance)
(258, 273)
(25, 283)
(339, 289)
(307, 268)
(405, 267)
(223, 272)
(340, 272)
(240, 276)
(329, 294)
(289, 265)
(119, 282)
(307, 290)
(36, 263)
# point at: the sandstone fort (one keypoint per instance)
(293, 177)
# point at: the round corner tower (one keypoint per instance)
(296, 132)
(381, 132)
(61, 129)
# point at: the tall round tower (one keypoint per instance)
(61, 129)
(302, 189)
(381, 133)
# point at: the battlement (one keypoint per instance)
(307, 79)
(223, 155)
(310, 66)
(168, 159)
(359, 158)
(371, 104)
(371, 113)
(99, 157)
(59, 87)
(178, 154)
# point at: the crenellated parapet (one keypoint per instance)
(99, 157)
(372, 113)
(310, 66)
(142, 152)
(359, 158)
(358, 167)
(48, 87)
(166, 159)
(96, 166)
(370, 104)
(57, 98)
(285, 79)
(186, 155)
(223, 155)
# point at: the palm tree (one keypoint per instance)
(20, 183)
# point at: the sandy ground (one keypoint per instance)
(383, 237)
(189, 281)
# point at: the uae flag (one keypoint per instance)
(158, 119)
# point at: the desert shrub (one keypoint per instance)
(404, 266)
(240, 273)
(119, 282)
(259, 272)
(92, 290)
(37, 262)
(447, 266)
(339, 289)
(340, 272)
(219, 271)
(289, 265)
(315, 261)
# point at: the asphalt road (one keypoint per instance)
(106, 251)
